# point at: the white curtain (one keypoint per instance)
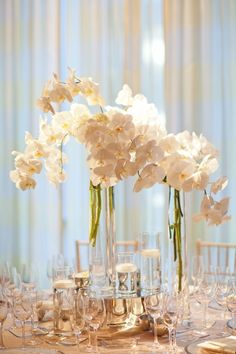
(115, 42)
(200, 88)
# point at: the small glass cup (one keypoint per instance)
(63, 305)
(126, 273)
(150, 261)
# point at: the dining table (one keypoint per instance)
(188, 337)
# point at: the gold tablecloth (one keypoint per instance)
(136, 343)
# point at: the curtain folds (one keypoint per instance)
(200, 87)
(115, 42)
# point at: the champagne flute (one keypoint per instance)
(94, 316)
(153, 306)
(3, 314)
(171, 312)
(197, 269)
(32, 296)
(29, 277)
(205, 294)
(22, 309)
(231, 303)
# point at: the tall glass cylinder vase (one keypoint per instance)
(110, 235)
(102, 240)
(177, 270)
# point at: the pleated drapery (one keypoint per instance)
(114, 42)
(200, 89)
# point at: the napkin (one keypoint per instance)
(223, 345)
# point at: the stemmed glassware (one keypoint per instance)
(171, 313)
(79, 322)
(3, 313)
(29, 277)
(153, 305)
(94, 316)
(204, 294)
(197, 269)
(32, 296)
(231, 303)
(22, 308)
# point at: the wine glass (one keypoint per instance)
(79, 322)
(32, 296)
(171, 313)
(94, 316)
(153, 306)
(50, 271)
(205, 293)
(22, 308)
(12, 288)
(231, 303)
(29, 277)
(3, 314)
(197, 269)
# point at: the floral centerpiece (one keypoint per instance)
(121, 141)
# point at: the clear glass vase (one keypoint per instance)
(102, 247)
(177, 268)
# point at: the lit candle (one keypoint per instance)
(126, 267)
(152, 252)
(63, 284)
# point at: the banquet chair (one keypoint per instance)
(217, 254)
(121, 246)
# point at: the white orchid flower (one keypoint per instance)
(27, 164)
(90, 90)
(22, 181)
(48, 135)
(208, 164)
(215, 213)
(207, 148)
(169, 144)
(144, 113)
(219, 185)
(179, 171)
(124, 96)
(198, 181)
(150, 175)
(56, 176)
(62, 122)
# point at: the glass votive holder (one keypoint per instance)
(65, 272)
(82, 279)
(150, 261)
(63, 305)
(126, 274)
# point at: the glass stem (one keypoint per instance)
(172, 337)
(205, 306)
(156, 341)
(77, 335)
(234, 320)
(89, 338)
(23, 333)
(1, 336)
(95, 341)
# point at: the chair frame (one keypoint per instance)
(219, 246)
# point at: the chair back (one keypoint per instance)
(217, 254)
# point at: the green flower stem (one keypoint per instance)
(95, 207)
(178, 244)
(175, 233)
(111, 200)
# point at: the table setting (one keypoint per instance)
(136, 300)
(72, 319)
